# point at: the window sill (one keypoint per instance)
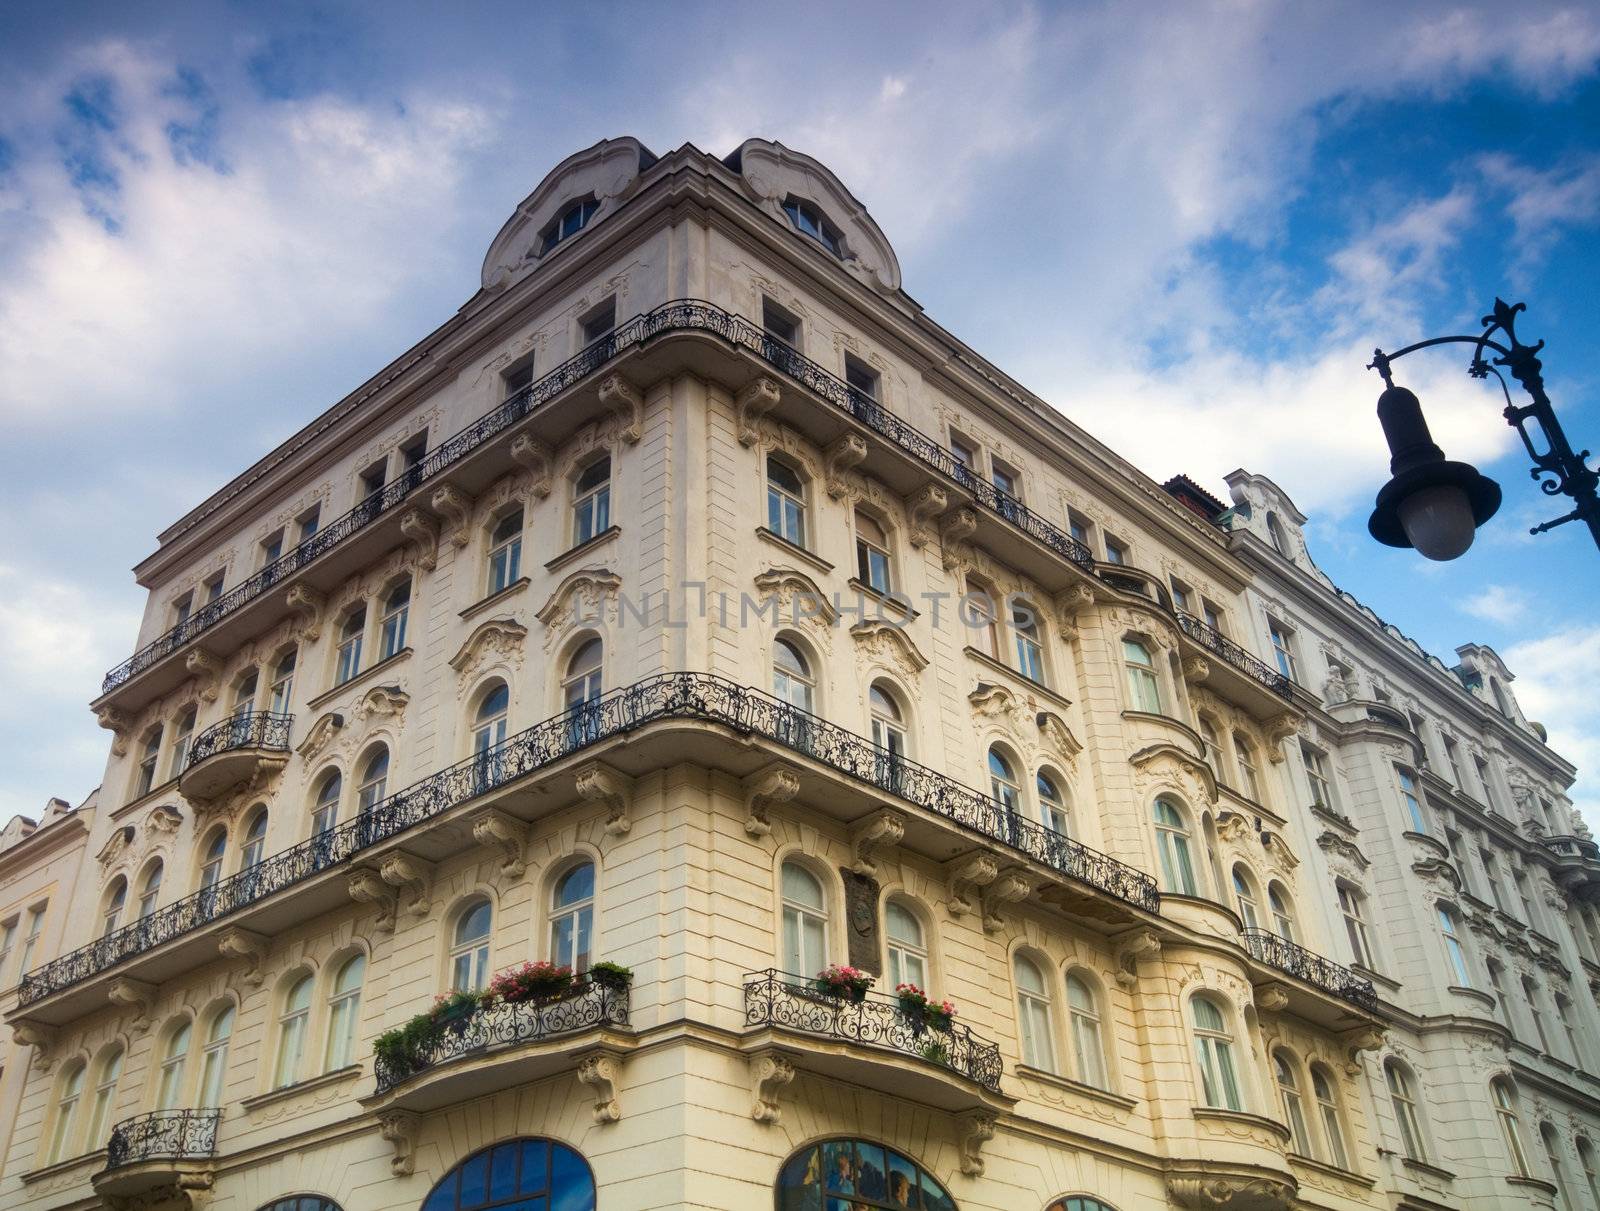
(66, 1166)
(322, 1081)
(1424, 1169)
(1020, 678)
(1472, 994)
(1189, 732)
(1078, 1087)
(1438, 847)
(364, 676)
(896, 603)
(164, 790)
(1532, 1183)
(1338, 820)
(583, 548)
(783, 544)
(1349, 1175)
(1245, 1117)
(494, 599)
(1377, 977)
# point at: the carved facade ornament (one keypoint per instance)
(1438, 870)
(117, 723)
(207, 672)
(1333, 843)
(1207, 1192)
(1279, 728)
(455, 506)
(775, 784)
(245, 944)
(1166, 763)
(581, 599)
(136, 995)
(1069, 604)
(861, 900)
(411, 875)
(367, 887)
(1278, 852)
(1137, 944)
(382, 702)
(41, 1038)
(400, 1128)
(1196, 669)
(320, 735)
(770, 1070)
(1366, 1038)
(115, 847)
(849, 451)
(874, 835)
(626, 405)
(528, 451)
(496, 830)
(751, 404)
(1056, 735)
(1011, 887)
(422, 538)
(965, 879)
(600, 1069)
(307, 602)
(974, 1129)
(890, 647)
(598, 782)
(1274, 998)
(921, 508)
(493, 639)
(997, 703)
(955, 527)
(799, 598)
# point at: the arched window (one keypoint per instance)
(244, 693)
(908, 951)
(1088, 1048)
(1052, 804)
(255, 841)
(1280, 540)
(1282, 911)
(214, 1060)
(1552, 1158)
(1003, 784)
(1403, 1099)
(1505, 1113)
(374, 780)
(145, 779)
(805, 921)
(303, 1202)
(591, 501)
(1033, 1015)
(212, 855)
(150, 890)
(283, 684)
(1175, 849)
(568, 223)
(1294, 1112)
(888, 723)
(111, 910)
(489, 724)
(505, 552)
(844, 1173)
(180, 742)
(1453, 949)
(792, 680)
(1322, 1088)
(1213, 1048)
(392, 625)
(809, 220)
(582, 684)
(469, 948)
(786, 502)
(1144, 691)
(572, 918)
(872, 555)
(1530, 994)
(1025, 635)
(105, 1099)
(350, 635)
(516, 1175)
(978, 612)
(1078, 1202)
(344, 1013)
(1244, 895)
(325, 808)
(1249, 770)
(1591, 1169)
(67, 1099)
(174, 1059)
(292, 1024)
(1213, 743)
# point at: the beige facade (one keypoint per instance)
(691, 601)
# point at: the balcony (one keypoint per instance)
(1311, 968)
(1234, 656)
(232, 752)
(1095, 883)
(502, 1045)
(874, 1042)
(168, 1151)
(1577, 866)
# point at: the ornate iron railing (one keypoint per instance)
(246, 729)
(686, 315)
(699, 696)
(1277, 951)
(163, 1135)
(588, 1004)
(1213, 640)
(790, 1002)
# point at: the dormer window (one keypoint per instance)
(808, 220)
(568, 223)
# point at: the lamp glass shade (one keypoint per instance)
(1438, 520)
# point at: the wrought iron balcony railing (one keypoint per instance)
(586, 1005)
(1213, 640)
(683, 316)
(1573, 847)
(246, 729)
(179, 1135)
(1277, 951)
(700, 696)
(788, 1001)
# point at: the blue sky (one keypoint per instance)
(1186, 226)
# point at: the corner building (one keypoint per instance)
(691, 602)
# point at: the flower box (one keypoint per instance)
(846, 983)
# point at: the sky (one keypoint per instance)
(1185, 225)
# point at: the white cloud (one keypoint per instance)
(1497, 603)
(1556, 679)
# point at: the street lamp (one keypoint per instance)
(1435, 505)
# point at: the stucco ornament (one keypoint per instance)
(965, 879)
(974, 1129)
(887, 646)
(583, 598)
(598, 782)
(1235, 1192)
(775, 784)
(494, 641)
(600, 1068)
(455, 506)
(399, 1128)
(248, 946)
(797, 597)
(922, 506)
(874, 836)
(625, 403)
(770, 1070)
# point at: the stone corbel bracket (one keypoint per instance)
(495, 829)
(849, 451)
(624, 401)
(1274, 998)
(1365, 1038)
(750, 405)
(412, 876)
(600, 1068)
(117, 723)
(1011, 887)
(207, 672)
(135, 994)
(770, 1070)
(455, 506)
(1071, 602)
(775, 784)
(965, 879)
(598, 782)
(367, 887)
(306, 602)
(1279, 728)
(400, 1129)
(929, 501)
(1196, 669)
(1142, 943)
(534, 455)
(873, 836)
(41, 1038)
(974, 1129)
(422, 538)
(1207, 1192)
(955, 528)
(251, 947)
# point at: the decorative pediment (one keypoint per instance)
(115, 847)
(1166, 760)
(889, 646)
(320, 735)
(382, 702)
(990, 701)
(493, 638)
(580, 599)
(798, 596)
(1055, 733)
(1332, 843)
(1278, 852)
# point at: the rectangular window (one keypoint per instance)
(8, 937)
(414, 451)
(272, 548)
(872, 554)
(181, 609)
(30, 939)
(518, 376)
(1485, 784)
(1491, 872)
(779, 324)
(1079, 529)
(1453, 950)
(1355, 926)
(861, 377)
(1519, 880)
(1458, 856)
(600, 323)
(1283, 648)
(1116, 551)
(211, 588)
(1408, 792)
(1317, 775)
(1211, 615)
(1006, 479)
(1180, 596)
(1452, 754)
(372, 479)
(309, 521)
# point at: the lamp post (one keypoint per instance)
(1435, 505)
